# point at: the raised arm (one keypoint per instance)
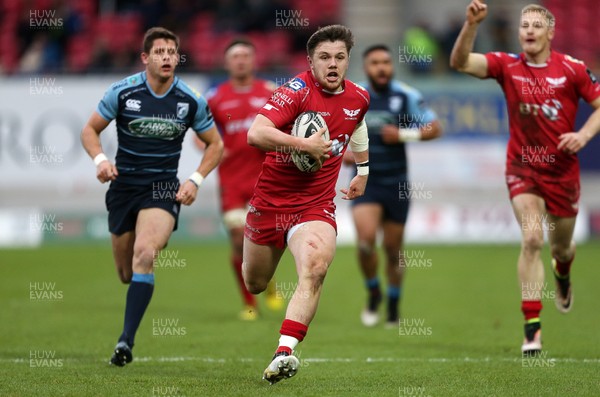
(463, 59)
(90, 139)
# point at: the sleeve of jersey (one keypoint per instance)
(108, 106)
(494, 64)
(418, 107)
(283, 106)
(203, 121)
(587, 84)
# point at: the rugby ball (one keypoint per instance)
(305, 125)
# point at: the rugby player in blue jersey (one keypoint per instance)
(397, 114)
(153, 110)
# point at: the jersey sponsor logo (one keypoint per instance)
(295, 84)
(118, 85)
(395, 103)
(324, 114)
(268, 106)
(234, 103)
(183, 109)
(548, 109)
(351, 114)
(238, 126)
(133, 104)
(559, 81)
(154, 127)
(281, 99)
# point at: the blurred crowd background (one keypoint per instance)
(101, 36)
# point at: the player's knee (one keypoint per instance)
(144, 255)
(533, 242)
(366, 247)
(125, 276)
(392, 253)
(562, 252)
(255, 286)
(316, 270)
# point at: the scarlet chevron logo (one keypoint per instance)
(556, 81)
(351, 113)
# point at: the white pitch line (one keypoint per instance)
(343, 360)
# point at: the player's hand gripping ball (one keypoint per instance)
(307, 124)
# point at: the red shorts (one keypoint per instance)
(561, 197)
(235, 196)
(266, 225)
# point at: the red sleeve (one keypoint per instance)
(586, 83)
(494, 65)
(284, 105)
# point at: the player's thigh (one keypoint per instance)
(153, 229)
(530, 212)
(122, 247)
(367, 219)
(393, 236)
(260, 262)
(560, 231)
(313, 247)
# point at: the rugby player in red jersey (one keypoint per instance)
(542, 89)
(234, 105)
(296, 209)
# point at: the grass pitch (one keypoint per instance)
(62, 311)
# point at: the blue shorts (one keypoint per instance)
(391, 198)
(124, 201)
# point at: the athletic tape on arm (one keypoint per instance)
(359, 142)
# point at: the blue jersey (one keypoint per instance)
(403, 106)
(151, 128)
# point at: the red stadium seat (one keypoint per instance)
(79, 53)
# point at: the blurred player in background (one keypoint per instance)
(296, 209)
(234, 105)
(397, 114)
(153, 110)
(542, 89)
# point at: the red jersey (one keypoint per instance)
(542, 103)
(281, 184)
(234, 110)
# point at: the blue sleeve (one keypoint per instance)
(417, 106)
(108, 106)
(203, 120)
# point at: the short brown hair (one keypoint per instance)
(330, 33)
(158, 33)
(239, 41)
(543, 11)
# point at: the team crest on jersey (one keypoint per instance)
(182, 109)
(559, 81)
(395, 103)
(351, 114)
